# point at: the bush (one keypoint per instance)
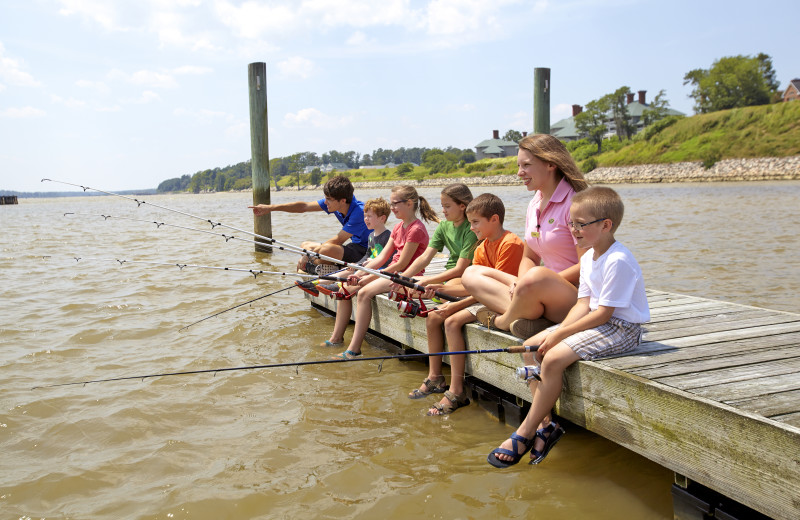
(475, 167)
(588, 165)
(659, 125)
(404, 168)
(710, 157)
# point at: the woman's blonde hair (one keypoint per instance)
(425, 209)
(548, 149)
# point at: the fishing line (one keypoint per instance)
(159, 224)
(394, 277)
(512, 350)
(254, 272)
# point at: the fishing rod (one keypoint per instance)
(409, 283)
(511, 350)
(254, 272)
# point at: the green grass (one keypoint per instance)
(763, 131)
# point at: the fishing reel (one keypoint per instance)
(407, 306)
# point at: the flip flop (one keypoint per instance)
(347, 354)
(497, 463)
(328, 343)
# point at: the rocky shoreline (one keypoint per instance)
(758, 169)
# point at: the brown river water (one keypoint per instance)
(326, 441)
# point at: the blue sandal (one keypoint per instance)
(347, 355)
(550, 434)
(497, 463)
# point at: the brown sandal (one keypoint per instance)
(435, 386)
(458, 401)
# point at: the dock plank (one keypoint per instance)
(713, 393)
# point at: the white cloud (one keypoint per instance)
(193, 69)
(147, 78)
(22, 113)
(296, 68)
(311, 117)
(99, 11)
(11, 71)
(69, 103)
(560, 111)
(254, 20)
(358, 38)
(146, 97)
(99, 86)
(357, 13)
(203, 115)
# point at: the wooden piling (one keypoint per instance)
(259, 148)
(541, 100)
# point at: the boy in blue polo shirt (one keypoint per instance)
(348, 210)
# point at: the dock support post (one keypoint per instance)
(541, 100)
(259, 148)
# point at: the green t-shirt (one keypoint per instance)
(460, 241)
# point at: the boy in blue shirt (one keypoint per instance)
(348, 210)
(606, 320)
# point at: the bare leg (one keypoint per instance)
(344, 309)
(545, 394)
(364, 311)
(489, 286)
(539, 293)
(453, 328)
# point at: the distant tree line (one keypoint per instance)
(239, 176)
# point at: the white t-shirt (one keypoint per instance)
(615, 280)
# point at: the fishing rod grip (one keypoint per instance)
(446, 297)
(519, 349)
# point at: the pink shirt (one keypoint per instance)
(547, 232)
(415, 232)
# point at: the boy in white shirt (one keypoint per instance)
(606, 320)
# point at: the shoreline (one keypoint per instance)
(728, 170)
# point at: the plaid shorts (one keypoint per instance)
(611, 338)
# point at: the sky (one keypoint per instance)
(119, 94)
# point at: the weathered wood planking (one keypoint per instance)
(713, 393)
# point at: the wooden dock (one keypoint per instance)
(713, 394)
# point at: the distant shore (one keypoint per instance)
(758, 169)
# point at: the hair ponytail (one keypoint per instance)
(426, 211)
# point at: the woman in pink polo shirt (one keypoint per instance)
(546, 285)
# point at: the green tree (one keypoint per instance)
(732, 82)
(592, 121)
(619, 112)
(657, 109)
(512, 135)
(316, 176)
(404, 168)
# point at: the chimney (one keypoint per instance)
(641, 96)
(576, 109)
(495, 134)
(630, 97)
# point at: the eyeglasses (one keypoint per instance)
(577, 226)
(393, 204)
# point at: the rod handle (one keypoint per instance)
(519, 349)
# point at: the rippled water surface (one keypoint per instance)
(321, 441)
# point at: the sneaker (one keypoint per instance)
(328, 288)
(323, 269)
(525, 328)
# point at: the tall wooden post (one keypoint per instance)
(259, 148)
(541, 100)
